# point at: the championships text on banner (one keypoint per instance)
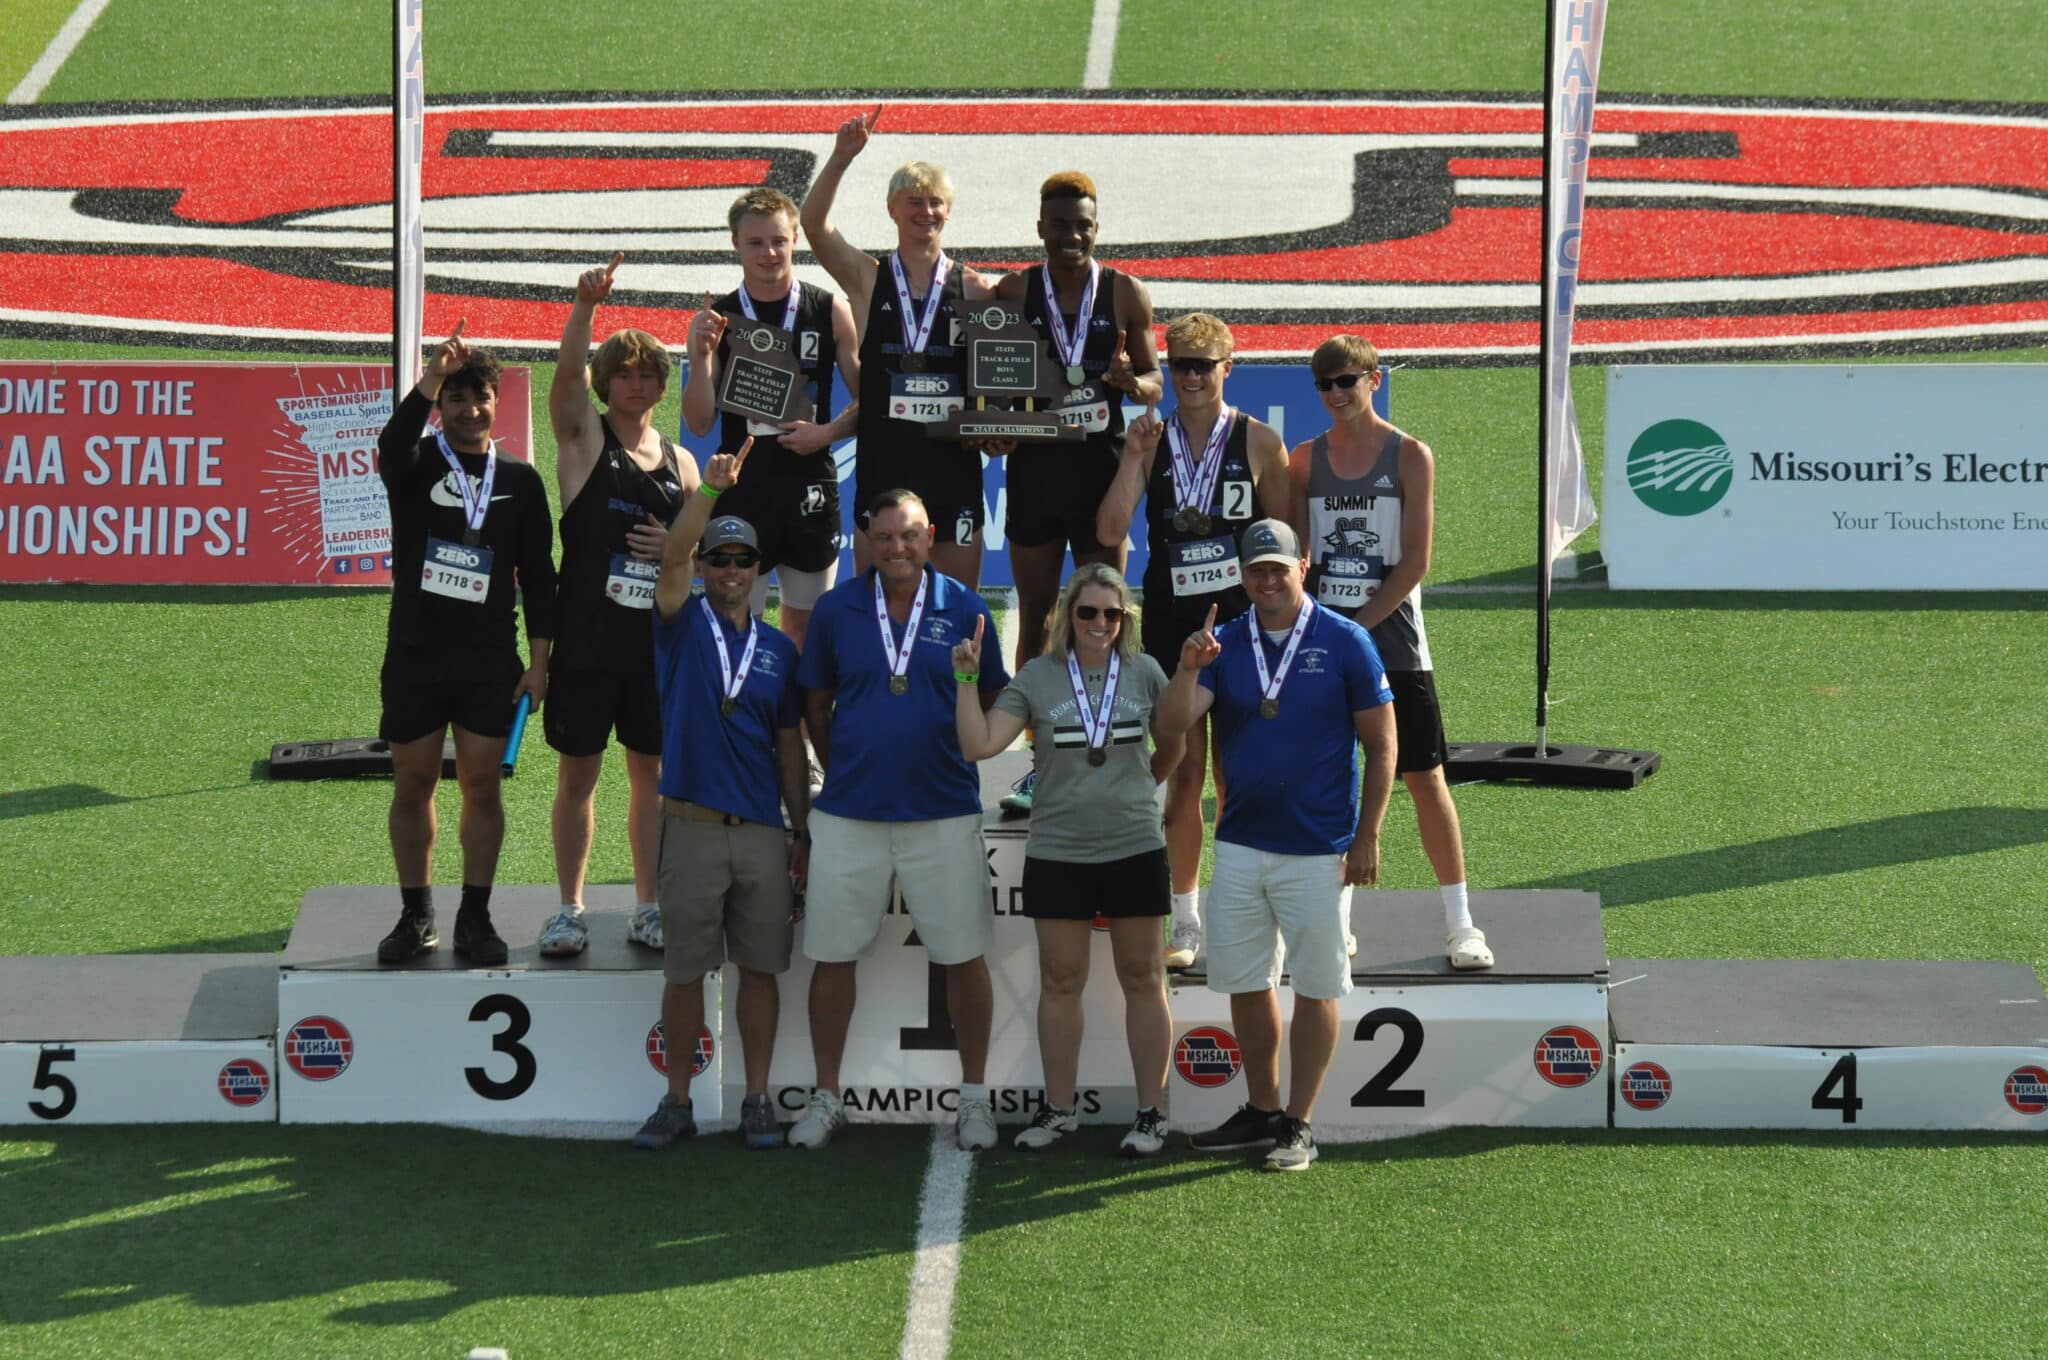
(203, 473)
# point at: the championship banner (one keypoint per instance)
(408, 154)
(1576, 27)
(203, 473)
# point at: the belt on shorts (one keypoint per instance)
(697, 812)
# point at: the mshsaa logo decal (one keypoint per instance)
(319, 1048)
(1207, 1057)
(244, 1082)
(1568, 1056)
(657, 1050)
(1646, 1086)
(2026, 1090)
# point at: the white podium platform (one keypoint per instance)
(1423, 1047)
(1838, 1045)
(537, 1043)
(138, 1039)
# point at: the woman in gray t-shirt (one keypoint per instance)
(1096, 846)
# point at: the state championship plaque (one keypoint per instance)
(1012, 384)
(761, 379)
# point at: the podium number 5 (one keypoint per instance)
(47, 1079)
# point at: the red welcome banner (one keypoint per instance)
(203, 473)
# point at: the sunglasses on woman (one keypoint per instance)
(1193, 366)
(722, 561)
(1347, 381)
(1087, 612)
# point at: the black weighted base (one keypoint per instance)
(1592, 767)
(343, 758)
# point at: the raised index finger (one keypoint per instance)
(617, 259)
(1209, 624)
(875, 118)
(456, 334)
(978, 622)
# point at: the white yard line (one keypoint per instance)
(941, 1216)
(58, 52)
(1101, 45)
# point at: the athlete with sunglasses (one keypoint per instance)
(1095, 844)
(732, 761)
(1205, 474)
(1363, 499)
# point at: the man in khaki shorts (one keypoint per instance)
(899, 803)
(729, 873)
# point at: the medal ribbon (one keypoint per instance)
(732, 683)
(1096, 729)
(916, 335)
(788, 307)
(1069, 347)
(899, 662)
(474, 507)
(1270, 688)
(1194, 484)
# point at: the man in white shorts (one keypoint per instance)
(1295, 689)
(899, 803)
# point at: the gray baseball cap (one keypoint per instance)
(729, 531)
(1271, 540)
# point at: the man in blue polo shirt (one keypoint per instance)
(731, 761)
(1295, 689)
(899, 803)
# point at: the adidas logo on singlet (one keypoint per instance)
(1382, 482)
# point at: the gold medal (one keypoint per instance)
(1269, 708)
(1097, 756)
(899, 684)
(726, 706)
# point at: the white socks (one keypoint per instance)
(1457, 910)
(1187, 908)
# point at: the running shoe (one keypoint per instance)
(1247, 1128)
(646, 927)
(565, 935)
(1183, 945)
(1147, 1135)
(976, 1126)
(1294, 1149)
(822, 1117)
(1047, 1127)
(758, 1128)
(671, 1120)
(1018, 799)
(413, 936)
(477, 941)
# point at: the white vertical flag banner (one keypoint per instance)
(408, 235)
(1576, 27)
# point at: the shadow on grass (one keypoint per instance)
(76, 797)
(1886, 841)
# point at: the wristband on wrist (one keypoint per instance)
(707, 491)
(967, 677)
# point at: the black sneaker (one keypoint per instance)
(413, 936)
(1294, 1149)
(1247, 1128)
(477, 942)
(672, 1119)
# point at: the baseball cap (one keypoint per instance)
(1270, 540)
(728, 531)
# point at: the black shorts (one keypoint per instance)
(1418, 721)
(423, 691)
(1167, 621)
(1052, 493)
(946, 477)
(584, 706)
(793, 504)
(1055, 890)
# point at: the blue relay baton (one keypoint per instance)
(519, 717)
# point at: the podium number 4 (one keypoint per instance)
(1838, 1090)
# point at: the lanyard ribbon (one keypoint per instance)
(918, 333)
(1194, 484)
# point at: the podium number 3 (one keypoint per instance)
(518, 1020)
(48, 1079)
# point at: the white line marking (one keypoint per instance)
(1626, 981)
(941, 1215)
(58, 52)
(1101, 45)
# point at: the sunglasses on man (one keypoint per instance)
(1347, 381)
(1193, 365)
(722, 561)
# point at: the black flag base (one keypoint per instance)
(343, 758)
(1586, 767)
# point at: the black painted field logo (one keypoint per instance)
(1713, 230)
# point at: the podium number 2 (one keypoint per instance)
(518, 1020)
(1380, 1090)
(48, 1079)
(1838, 1090)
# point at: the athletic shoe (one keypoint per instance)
(758, 1128)
(1147, 1135)
(477, 942)
(822, 1118)
(1247, 1128)
(976, 1126)
(1183, 945)
(565, 935)
(413, 936)
(646, 927)
(1295, 1148)
(1467, 949)
(672, 1119)
(1047, 1127)
(1018, 799)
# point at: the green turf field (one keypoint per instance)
(1846, 776)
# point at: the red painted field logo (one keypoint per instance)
(1207, 1057)
(244, 1082)
(1646, 1086)
(1568, 1056)
(319, 1048)
(2026, 1090)
(1710, 230)
(657, 1050)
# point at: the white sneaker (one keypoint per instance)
(1183, 944)
(822, 1117)
(1147, 1135)
(976, 1126)
(646, 927)
(1350, 945)
(1047, 1127)
(565, 935)
(1467, 949)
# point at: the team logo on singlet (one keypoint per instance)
(1349, 535)
(144, 220)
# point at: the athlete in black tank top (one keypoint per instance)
(607, 590)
